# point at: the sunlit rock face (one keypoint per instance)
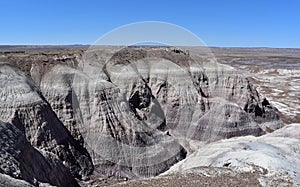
(195, 97)
(137, 112)
(99, 115)
(128, 107)
(23, 105)
(130, 112)
(274, 157)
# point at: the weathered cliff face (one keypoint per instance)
(198, 100)
(136, 98)
(20, 162)
(99, 115)
(127, 112)
(23, 105)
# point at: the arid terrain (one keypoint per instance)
(149, 116)
(276, 72)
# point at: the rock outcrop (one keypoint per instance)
(136, 97)
(23, 105)
(97, 114)
(199, 100)
(23, 165)
(274, 156)
(128, 112)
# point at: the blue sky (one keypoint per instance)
(236, 23)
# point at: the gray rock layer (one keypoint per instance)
(23, 105)
(139, 97)
(96, 113)
(20, 162)
(125, 111)
(200, 100)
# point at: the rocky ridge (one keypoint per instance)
(132, 112)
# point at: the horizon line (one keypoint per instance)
(86, 45)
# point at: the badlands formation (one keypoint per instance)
(149, 115)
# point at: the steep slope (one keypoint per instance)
(98, 115)
(127, 108)
(135, 112)
(20, 162)
(23, 105)
(199, 99)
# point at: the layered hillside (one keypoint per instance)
(20, 162)
(129, 112)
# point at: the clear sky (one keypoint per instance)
(236, 23)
